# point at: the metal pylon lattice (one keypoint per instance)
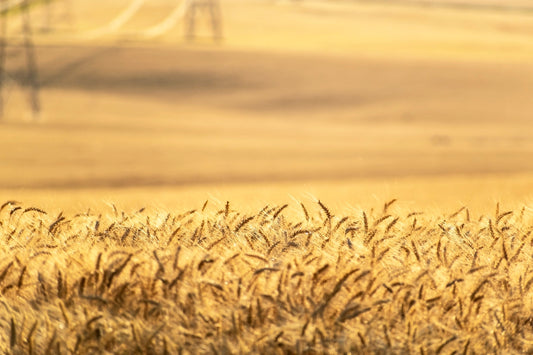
(3, 48)
(212, 8)
(31, 79)
(52, 14)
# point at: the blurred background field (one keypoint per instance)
(355, 101)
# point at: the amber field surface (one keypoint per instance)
(330, 176)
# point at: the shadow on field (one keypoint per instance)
(107, 69)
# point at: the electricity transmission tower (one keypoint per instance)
(30, 80)
(212, 8)
(51, 16)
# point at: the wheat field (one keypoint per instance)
(303, 280)
(376, 156)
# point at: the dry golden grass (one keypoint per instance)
(305, 279)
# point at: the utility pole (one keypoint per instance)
(212, 7)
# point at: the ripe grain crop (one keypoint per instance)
(287, 279)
